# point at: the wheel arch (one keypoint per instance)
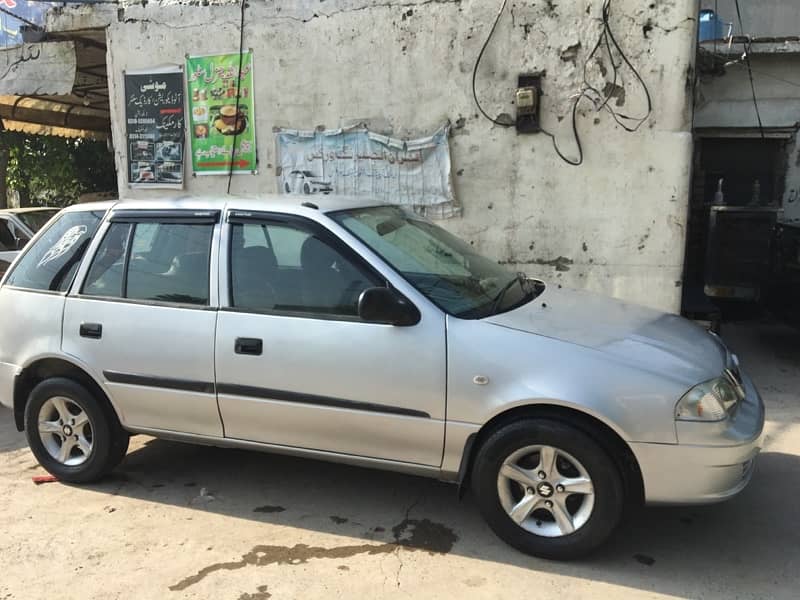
(610, 440)
(47, 367)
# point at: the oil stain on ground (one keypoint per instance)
(261, 594)
(410, 534)
(269, 509)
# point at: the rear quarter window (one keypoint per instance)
(50, 264)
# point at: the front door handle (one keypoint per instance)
(92, 331)
(252, 346)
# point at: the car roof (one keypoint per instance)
(282, 203)
(17, 211)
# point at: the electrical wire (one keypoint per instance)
(573, 162)
(477, 64)
(739, 63)
(600, 99)
(238, 94)
(16, 16)
(609, 41)
(748, 46)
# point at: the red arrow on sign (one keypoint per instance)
(239, 163)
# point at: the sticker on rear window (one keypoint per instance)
(64, 244)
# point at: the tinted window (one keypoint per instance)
(164, 262)
(284, 267)
(50, 264)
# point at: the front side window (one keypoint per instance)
(441, 266)
(160, 262)
(52, 262)
(286, 267)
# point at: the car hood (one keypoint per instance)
(663, 343)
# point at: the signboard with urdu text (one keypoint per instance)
(154, 117)
(222, 125)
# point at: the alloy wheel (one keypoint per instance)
(65, 430)
(546, 491)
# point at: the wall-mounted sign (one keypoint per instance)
(222, 123)
(155, 126)
(359, 162)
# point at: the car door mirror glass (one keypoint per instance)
(385, 305)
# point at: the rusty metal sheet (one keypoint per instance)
(44, 68)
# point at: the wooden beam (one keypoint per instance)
(54, 118)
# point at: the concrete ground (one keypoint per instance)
(179, 521)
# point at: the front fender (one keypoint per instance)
(515, 368)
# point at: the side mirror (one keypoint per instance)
(19, 242)
(385, 305)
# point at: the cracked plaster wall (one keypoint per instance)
(615, 225)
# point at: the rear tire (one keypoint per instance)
(74, 435)
(547, 489)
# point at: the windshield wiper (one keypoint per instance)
(520, 278)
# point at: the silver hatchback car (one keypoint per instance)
(364, 334)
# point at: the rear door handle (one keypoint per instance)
(91, 330)
(252, 346)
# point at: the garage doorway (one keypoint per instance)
(735, 205)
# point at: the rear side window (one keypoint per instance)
(160, 262)
(50, 264)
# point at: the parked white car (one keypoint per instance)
(305, 182)
(361, 333)
(17, 227)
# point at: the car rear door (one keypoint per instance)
(297, 367)
(142, 315)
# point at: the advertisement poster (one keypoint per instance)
(215, 123)
(359, 162)
(155, 127)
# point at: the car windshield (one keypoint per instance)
(37, 219)
(441, 266)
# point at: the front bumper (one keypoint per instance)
(712, 461)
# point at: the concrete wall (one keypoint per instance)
(615, 225)
(727, 102)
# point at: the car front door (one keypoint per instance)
(142, 315)
(297, 367)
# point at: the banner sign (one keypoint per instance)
(155, 126)
(358, 162)
(213, 85)
(18, 15)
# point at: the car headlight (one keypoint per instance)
(709, 401)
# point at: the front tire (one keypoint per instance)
(547, 489)
(74, 435)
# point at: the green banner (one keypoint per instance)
(215, 88)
